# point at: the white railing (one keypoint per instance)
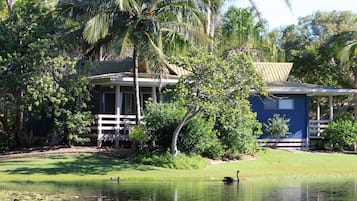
(316, 127)
(284, 143)
(113, 127)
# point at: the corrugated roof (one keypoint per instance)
(273, 72)
(178, 70)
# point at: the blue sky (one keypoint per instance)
(278, 14)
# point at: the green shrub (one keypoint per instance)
(166, 160)
(214, 150)
(161, 120)
(341, 133)
(238, 129)
(137, 134)
(197, 137)
(278, 126)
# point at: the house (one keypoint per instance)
(113, 100)
(293, 100)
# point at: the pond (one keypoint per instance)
(259, 190)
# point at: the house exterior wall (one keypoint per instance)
(298, 115)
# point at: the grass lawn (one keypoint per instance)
(270, 164)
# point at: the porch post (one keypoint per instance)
(331, 107)
(318, 115)
(153, 95)
(118, 100)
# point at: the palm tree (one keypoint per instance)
(348, 57)
(242, 31)
(137, 24)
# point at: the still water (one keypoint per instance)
(267, 190)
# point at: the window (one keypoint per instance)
(128, 103)
(270, 104)
(286, 104)
(282, 104)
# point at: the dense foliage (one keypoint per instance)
(39, 83)
(341, 134)
(197, 137)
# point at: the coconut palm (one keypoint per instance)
(243, 31)
(348, 57)
(136, 25)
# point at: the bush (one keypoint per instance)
(341, 133)
(166, 160)
(161, 120)
(278, 126)
(137, 134)
(197, 137)
(238, 129)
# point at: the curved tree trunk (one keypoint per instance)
(136, 85)
(177, 132)
(190, 114)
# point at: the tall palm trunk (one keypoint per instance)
(136, 84)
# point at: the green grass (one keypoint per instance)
(270, 164)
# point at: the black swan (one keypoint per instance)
(230, 180)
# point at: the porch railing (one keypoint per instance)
(316, 127)
(112, 127)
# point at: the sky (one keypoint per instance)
(279, 15)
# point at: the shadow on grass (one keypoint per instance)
(83, 164)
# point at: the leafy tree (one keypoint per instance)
(212, 84)
(315, 29)
(37, 78)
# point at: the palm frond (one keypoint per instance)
(128, 5)
(156, 49)
(97, 28)
(349, 51)
(187, 31)
(124, 45)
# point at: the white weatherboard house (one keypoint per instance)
(113, 100)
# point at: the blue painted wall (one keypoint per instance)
(299, 116)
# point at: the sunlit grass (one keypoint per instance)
(270, 164)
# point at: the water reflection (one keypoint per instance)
(341, 189)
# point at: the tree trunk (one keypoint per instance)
(19, 119)
(355, 96)
(136, 85)
(10, 4)
(209, 25)
(176, 133)
(182, 123)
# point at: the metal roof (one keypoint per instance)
(272, 71)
